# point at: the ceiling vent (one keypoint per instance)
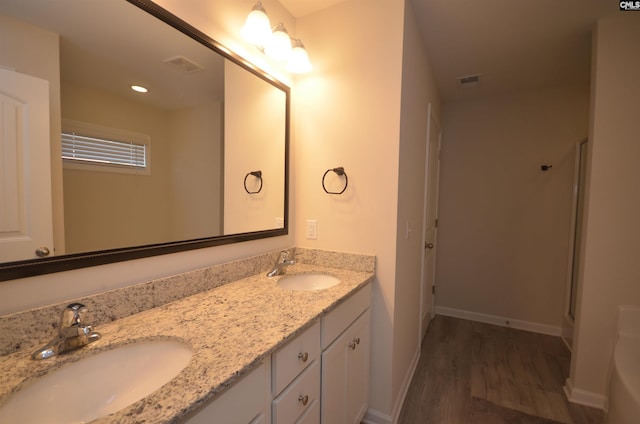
(183, 64)
(469, 81)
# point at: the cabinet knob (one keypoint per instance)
(357, 340)
(303, 399)
(352, 345)
(42, 252)
(303, 356)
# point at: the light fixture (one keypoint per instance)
(299, 62)
(280, 46)
(257, 28)
(139, 89)
(275, 42)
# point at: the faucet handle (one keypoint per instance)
(72, 315)
(287, 254)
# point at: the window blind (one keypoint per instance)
(76, 147)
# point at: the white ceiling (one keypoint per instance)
(513, 44)
(299, 8)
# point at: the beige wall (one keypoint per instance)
(249, 148)
(418, 90)
(610, 273)
(504, 224)
(196, 171)
(348, 113)
(222, 21)
(30, 50)
(105, 209)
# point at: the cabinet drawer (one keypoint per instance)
(288, 407)
(335, 322)
(294, 357)
(312, 414)
(244, 402)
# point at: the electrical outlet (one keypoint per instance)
(311, 229)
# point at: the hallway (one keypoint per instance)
(474, 373)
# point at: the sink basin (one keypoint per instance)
(308, 282)
(97, 385)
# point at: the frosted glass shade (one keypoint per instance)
(280, 46)
(299, 62)
(257, 28)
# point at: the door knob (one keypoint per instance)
(41, 252)
(429, 245)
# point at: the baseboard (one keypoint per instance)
(376, 417)
(534, 327)
(584, 397)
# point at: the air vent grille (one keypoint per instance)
(469, 81)
(183, 64)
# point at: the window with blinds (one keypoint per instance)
(90, 147)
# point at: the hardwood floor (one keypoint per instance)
(474, 373)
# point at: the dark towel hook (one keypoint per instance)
(340, 171)
(258, 175)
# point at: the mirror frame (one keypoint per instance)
(34, 267)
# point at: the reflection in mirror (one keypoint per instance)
(143, 173)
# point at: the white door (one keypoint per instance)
(430, 223)
(26, 228)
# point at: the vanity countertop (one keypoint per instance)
(230, 329)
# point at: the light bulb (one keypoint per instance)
(299, 62)
(257, 28)
(280, 46)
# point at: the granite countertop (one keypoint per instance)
(230, 329)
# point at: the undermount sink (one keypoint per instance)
(308, 282)
(97, 385)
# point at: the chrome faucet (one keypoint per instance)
(72, 333)
(282, 263)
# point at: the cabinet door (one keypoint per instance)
(358, 369)
(345, 375)
(333, 405)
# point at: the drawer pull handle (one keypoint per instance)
(303, 399)
(303, 356)
(354, 343)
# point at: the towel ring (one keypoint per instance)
(258, 175)
(340, 171)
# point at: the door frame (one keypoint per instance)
(431, 120)
(576, 204)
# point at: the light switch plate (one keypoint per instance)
(312, 229)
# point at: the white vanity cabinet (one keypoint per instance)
(295, 370)
(322, 375)
(345, 360)
(247, 402)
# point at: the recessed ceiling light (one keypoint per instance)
(139, 88)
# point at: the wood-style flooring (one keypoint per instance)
(474, 373)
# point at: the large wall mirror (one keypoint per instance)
(93, 172)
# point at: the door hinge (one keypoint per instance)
(433, 289)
